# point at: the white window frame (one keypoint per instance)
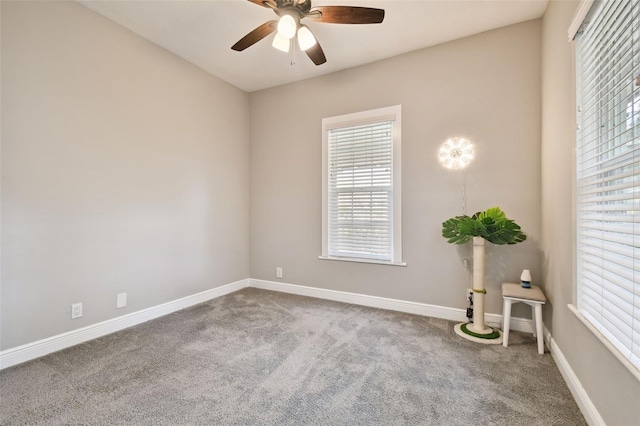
(600, 330)
(392, 113)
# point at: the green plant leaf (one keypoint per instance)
(451, 231)
(471, 228)
(496, 213)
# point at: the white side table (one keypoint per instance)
(534, 297)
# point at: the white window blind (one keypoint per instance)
(360, 191)
(361, 188)
(608, 173)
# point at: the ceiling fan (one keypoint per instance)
(288, 25)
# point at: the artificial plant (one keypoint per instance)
(491, 224)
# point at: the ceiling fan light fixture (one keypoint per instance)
(287, 26)
(306, 40)
(281, 43)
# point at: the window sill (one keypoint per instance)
(632, 368)
(353, 259)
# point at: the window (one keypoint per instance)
(608, 174)
(361, 204)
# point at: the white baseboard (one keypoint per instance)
(443, 312)
(52, 344)
(589, 411)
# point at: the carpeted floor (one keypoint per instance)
(261, 357)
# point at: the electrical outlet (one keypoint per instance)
(76, 310)
(279, 272)
(121, 300)
(465, 262)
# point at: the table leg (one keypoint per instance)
(533, 318)
(506, 320)
(539, 328)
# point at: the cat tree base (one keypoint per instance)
(488, 336)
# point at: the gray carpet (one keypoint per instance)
(261, 357)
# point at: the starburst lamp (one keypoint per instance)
(456, 153)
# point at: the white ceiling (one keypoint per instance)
(202, 32)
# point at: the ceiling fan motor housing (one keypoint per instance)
(297, 7)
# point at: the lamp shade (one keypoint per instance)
(287, 26)
(306, 40)
(525, 278)
(281, 43)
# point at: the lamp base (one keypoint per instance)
(492, 337)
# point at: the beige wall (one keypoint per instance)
(125, 169)
(485, 87)
(612, 388)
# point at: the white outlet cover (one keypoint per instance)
(76, 310)
(121, 300)
(278, 272)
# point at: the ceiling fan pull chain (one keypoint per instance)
(293, 51)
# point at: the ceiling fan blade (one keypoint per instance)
(346, 15)
(316, 54)
(255, 36)
(262, 3)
